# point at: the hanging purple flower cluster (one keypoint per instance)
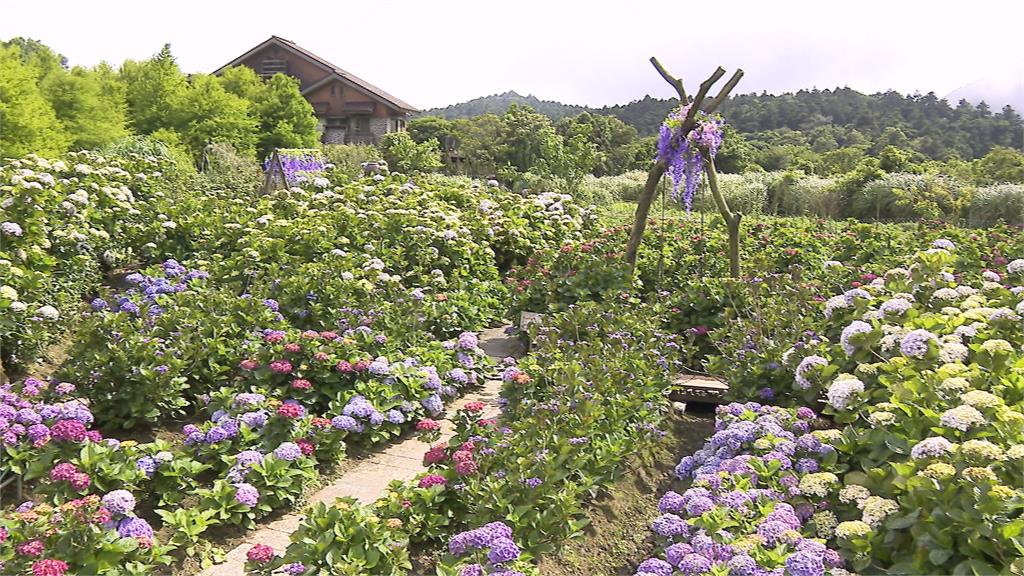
(684, 153)
(298, 163)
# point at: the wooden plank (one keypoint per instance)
(695, 388)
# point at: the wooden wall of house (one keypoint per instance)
(307, 72)
(345, 94)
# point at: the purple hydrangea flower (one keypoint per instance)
(669, 525)
(805, 564)
(502, 550)
(132, 527)
(246, 494)
(119, 502)
(288, 451)
(915, 344)
(655, 566)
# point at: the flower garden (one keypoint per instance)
(222, 353)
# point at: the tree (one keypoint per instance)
(478, 141)
(999, 165)
(612, 139)
(28, 123)
(152, 90)
(736, 154)
(570, 157)
(38, 56)
(437, 128)
(523, 137)
(403, 154)
(243, 82)
(207, 113)
(286, 118)
(90, 105)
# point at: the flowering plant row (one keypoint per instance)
(61, 222)
(925, 367)
(756, 502)
(567, 426)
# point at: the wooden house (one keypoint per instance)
(350, 109)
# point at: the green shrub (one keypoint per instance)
(989, 204)
(403, 154)
(226, 169)
(347, 159)
(607, 189)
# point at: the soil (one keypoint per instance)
(619, 536)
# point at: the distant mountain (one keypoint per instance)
(499, 103)
(995, 93)
(824, 119)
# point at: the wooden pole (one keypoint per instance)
(643, 205)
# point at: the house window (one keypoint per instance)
(332, 89)
(271, 66)
(399, 125)
(361, 124)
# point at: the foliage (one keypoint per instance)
(153, 88)
(29, 122)
(347, 159)
(405, 155)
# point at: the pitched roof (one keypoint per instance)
(335, 72)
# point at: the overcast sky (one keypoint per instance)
(433, 53)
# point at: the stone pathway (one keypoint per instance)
(368, 480)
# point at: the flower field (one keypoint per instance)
(226, 351)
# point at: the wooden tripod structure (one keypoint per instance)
(643, 207)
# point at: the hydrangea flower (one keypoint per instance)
(962, 418)
(246, 494)
(805, 367)
(288, 451)
(915, 344)
(856, 327)
(119, 502)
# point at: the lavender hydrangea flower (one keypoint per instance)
(246, 494)
(805, 366)
(346, 423)
(132, 527)
(655, 566)
(119, 502)
(805, 564)
(915, 344)
(502, 550)
(669, 525)
(856, 327)
(694, 564)
(288, 451)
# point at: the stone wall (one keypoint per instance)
(379, 127)
(334, 136)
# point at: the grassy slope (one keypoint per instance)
(619, 537)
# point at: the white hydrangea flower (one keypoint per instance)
(875, 509)
(18, 307)
(842, 391)
(853, 493)
(962, 418)
(48, 312)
